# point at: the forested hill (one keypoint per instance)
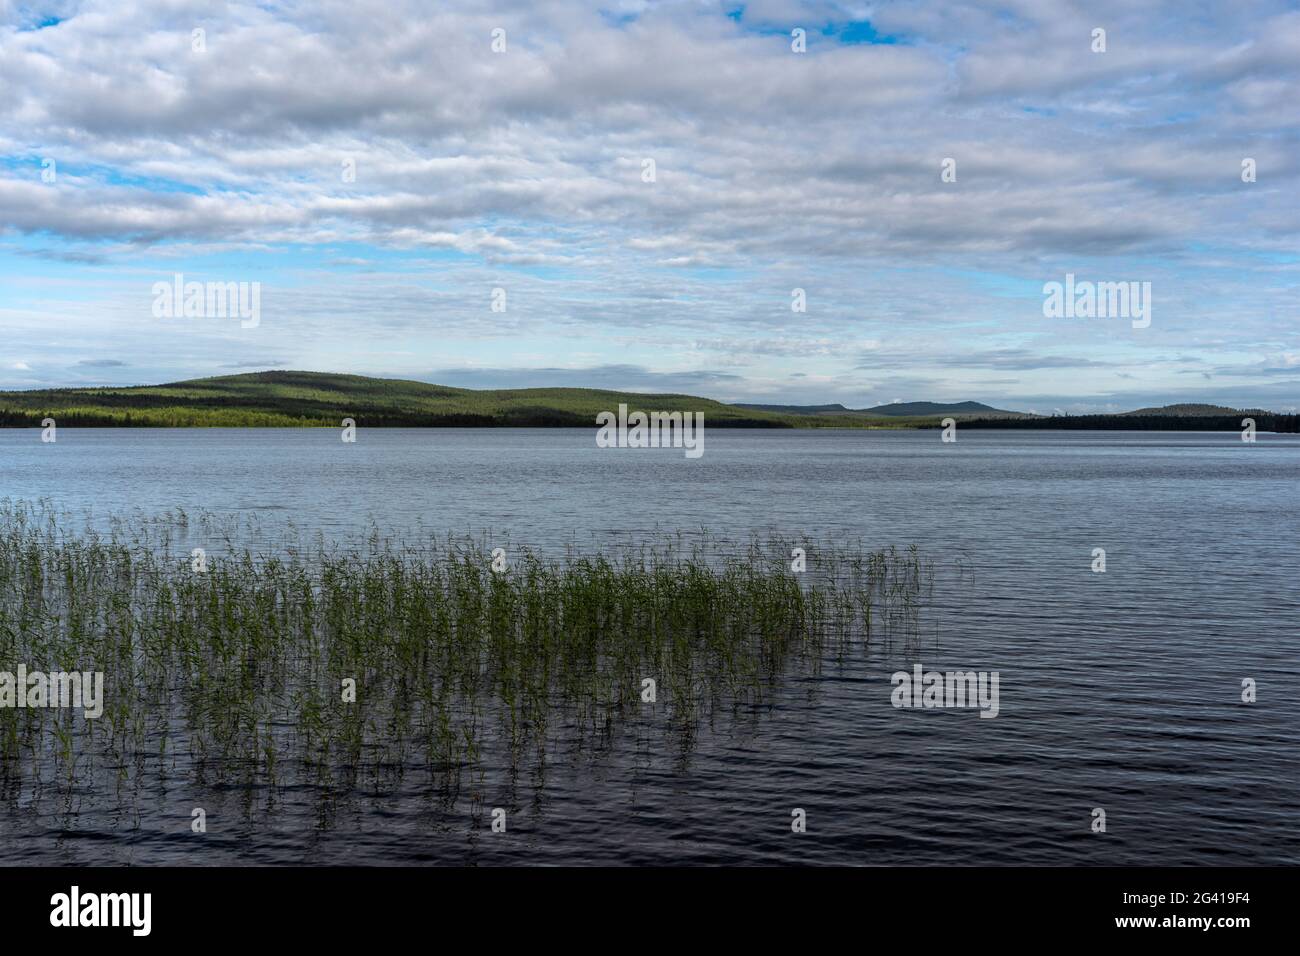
(285, 398)
(293, 399)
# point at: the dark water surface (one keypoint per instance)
(1119, 690)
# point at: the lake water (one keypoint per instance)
(1118, 690)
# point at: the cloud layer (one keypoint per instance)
(381, 170)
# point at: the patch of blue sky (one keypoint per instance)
(846, 32)
(619, 18)
(1000, 284)
(108, 175)
(156, 184)
(42, 22)
(1279, 258)
(26, 163)
(858, 32)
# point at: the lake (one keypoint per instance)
(1119, 690)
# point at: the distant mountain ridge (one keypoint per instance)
(892, 410)
(1193, 409)
(939, 408)
(297, 399)
(794, 409)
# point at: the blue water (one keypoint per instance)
(1119, 690)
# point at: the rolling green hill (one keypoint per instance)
(284, 398)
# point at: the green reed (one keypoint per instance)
(239, 670)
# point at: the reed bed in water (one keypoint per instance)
(241, 669)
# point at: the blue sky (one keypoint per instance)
(775, 170)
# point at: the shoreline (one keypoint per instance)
(1271, 424)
